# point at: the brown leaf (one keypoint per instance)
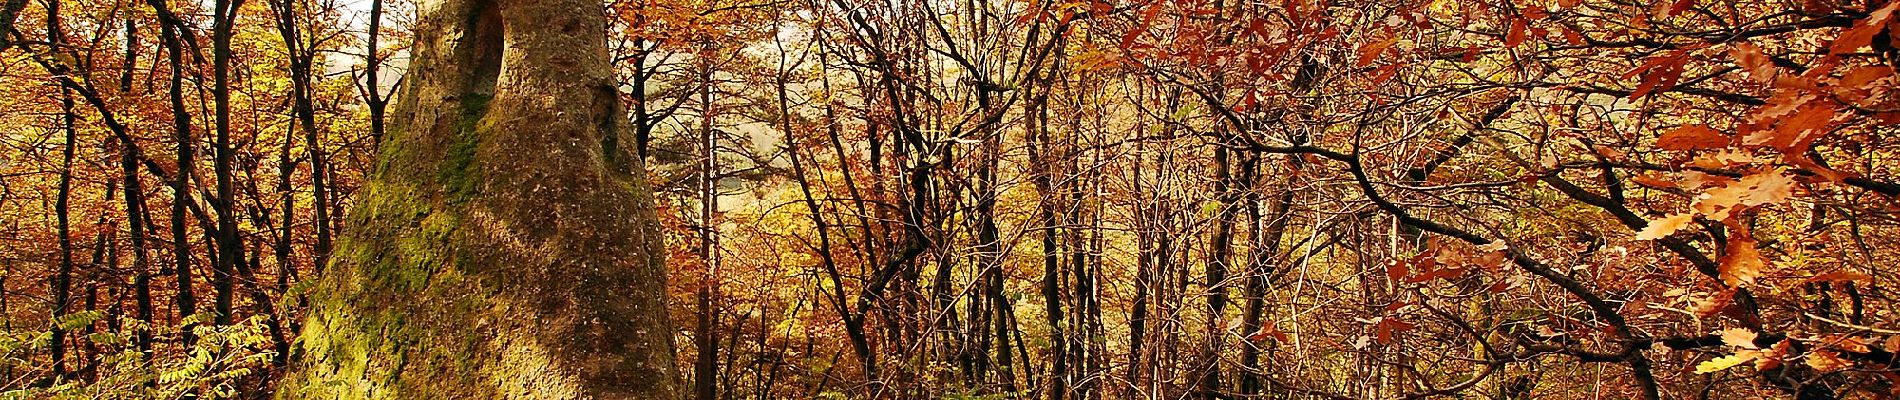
(1535, 12)
(1572, 36)
(1679, 7)
(1795, 134)
(1515, 37)
(1389, 326)
(1660, 73)
(1806, 164)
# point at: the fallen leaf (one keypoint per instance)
(1723, 362)
(1842, 276)
(1714, 304)
(1826, 361)
(1771, 358)
(1739, 337)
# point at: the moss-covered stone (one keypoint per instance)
(459, 172)
(496, 252)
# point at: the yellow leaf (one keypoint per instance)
(1724, 362)
(1664, 227)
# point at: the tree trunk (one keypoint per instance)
(185, 302)
(62, 282)
(230, 246)
(505, 246)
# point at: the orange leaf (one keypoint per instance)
(1267, 331)
(1715, 304)
(1652, 181)
(1662, 228)
(1796, 133)
(1826, 361)
(1739, 337)
(1692, 137)
(1659, 73)
(1772, 187)
(1370, 52)
(1752, 59)
(1863, 32)
(1842, 276)
(1859, 78)
(1801, 160)
(1741, 261)
(1384, 73)
(1771, 358)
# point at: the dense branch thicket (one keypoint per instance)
(1088, 199)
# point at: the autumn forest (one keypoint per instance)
(956, 199)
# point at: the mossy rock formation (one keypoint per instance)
(505, 246)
